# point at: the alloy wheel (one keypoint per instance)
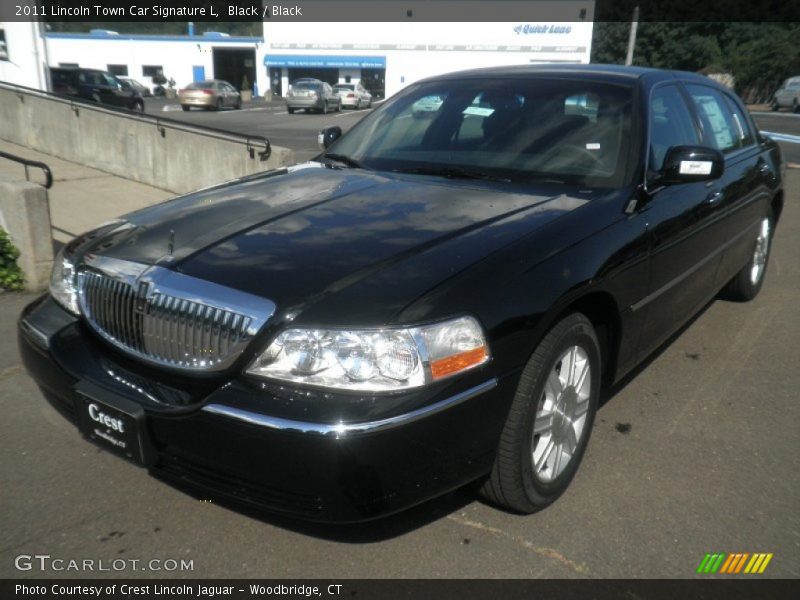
(761, 252)
(560, 419)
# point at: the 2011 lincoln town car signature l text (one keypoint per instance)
(437, 298)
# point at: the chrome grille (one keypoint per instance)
(164, 326)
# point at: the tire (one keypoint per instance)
(219, 104)
(238, 104)
(775, 107)
(290, 110)
(796, 106)
(96, 98)
(516, 482)
(339, 107)
(747, 283)
(138, 107)
(324, 110)
(185, 108)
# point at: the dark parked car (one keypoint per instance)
(311, 95)
(95, 86)
(427, 303)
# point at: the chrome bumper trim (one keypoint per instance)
(341, 429)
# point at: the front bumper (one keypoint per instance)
(263, 445)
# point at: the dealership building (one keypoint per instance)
(384, 57)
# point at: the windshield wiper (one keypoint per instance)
(453, 173)
(344, 159)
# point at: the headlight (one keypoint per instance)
(62, 282)
(378, 360)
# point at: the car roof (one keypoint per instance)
(617, 73)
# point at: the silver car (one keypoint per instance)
(788, 95)
(312, 95)
(353, 95)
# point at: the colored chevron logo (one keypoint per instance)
(735, 563)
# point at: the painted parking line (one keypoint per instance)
(782, 137)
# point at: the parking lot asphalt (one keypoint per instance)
(697, 453)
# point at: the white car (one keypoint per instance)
(353, 95)
(788, 95)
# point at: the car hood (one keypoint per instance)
(310, 233)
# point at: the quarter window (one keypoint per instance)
(725, 134)
(671, 124)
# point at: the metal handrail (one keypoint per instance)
(252, 143)
(31, 163)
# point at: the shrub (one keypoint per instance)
(11, 276)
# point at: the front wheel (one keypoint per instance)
(747, 283)
(774, 106)
(550, 420)
(325, 108)
(796, 106)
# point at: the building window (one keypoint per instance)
(119, 70)
(3, 45)
(152, 70)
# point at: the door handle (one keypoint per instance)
(714, 197)
(765, 169)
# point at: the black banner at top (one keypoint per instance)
(88, 11)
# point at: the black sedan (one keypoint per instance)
(97, 86)
(431, 301)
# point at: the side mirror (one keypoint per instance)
(685, 164)
(328, 135)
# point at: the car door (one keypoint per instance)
(745, 185)
(683, 223)
(120, 95)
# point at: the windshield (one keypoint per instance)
(306, 85)
(344, 87)
(574, 130)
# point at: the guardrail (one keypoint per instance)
(48, 174)
(155, 150)
(254, 144)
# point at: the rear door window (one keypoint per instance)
(719, 123)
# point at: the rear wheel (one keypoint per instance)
(795, 106)
(238, 104)
(219, 104)
(747, 282)
(550, 420)
(138, 107)
(185, 108)
(774, 105)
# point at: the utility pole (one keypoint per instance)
(632, 37)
